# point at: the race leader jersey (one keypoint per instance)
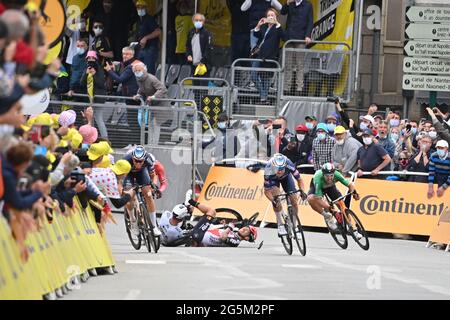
(270, 173)
(212, 239)
(149, 162)
(320, 183)
(169, 232)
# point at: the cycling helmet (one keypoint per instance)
(328, 168)
(139, 153)
(279, 161)
(253, 233)
(180, 211)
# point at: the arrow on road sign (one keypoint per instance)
(426, 65)
(427, 31)
(428, 14)
(425, 83)
(427, 48)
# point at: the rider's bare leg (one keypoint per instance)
(318, 204)
(147, 191)
(278, 209)
(294, 202)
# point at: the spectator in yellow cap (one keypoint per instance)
(344, 153)
(97, 151)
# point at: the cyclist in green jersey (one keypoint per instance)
(324, 182)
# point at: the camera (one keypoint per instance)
(92, 65)
(77, 176)
(333, 99)
(408, 127)
(276, 126)
(270, 20)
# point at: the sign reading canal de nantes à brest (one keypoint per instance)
(427, 49)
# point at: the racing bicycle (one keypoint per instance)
(144, 224)
(292, 224)
(345, 218)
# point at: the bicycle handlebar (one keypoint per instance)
(341, 197)
(284, 195)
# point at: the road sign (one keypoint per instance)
(439, 49)
(425, 82)
(427, 31)
(426, 65)
(428, 14)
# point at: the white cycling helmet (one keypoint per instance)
(279, 161)
(180, 211)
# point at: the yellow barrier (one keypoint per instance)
(67, 247)
(385, 206)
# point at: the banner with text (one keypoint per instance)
(385, 206)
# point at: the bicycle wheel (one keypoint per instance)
(136, 241)
(149, 237)
(298, 234)
(287, 239)
(227, 214)
(340, 235)
(364, 241)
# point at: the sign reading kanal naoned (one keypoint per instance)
(426, 65)
(426, 82)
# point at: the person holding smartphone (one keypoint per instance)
(269, 33)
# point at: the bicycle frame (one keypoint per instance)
(339, 202)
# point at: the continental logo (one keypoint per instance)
(215, 190)
(371, 204)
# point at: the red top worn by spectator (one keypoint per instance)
(161, 173)
(24, 54)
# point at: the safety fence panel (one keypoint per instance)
(126, 122)
(255, 85)
(315, 74)
(62, 249)
(385, 206)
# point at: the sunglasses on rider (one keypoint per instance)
(138, 161)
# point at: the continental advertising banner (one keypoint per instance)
(385, 206)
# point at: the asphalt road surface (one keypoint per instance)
(391, 269)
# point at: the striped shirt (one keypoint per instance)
(439, 170)
(322, 151)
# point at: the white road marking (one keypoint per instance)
(301, 266)
(243, 280)
(132, 294)
(145, 261)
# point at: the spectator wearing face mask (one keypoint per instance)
(371, 156)
(331, 122)
(345, 151)
(420, 161)
(305, 143)
(393, 118)
(366, 122)
(78, 68)
(439, 169)
(148, 37)
(402, 164)
(322, 147)
(101, 43)
(440, 128)
(311, 124)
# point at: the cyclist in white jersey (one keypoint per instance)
(204, 234)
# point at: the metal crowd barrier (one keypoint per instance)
(249, 79)
(125, 124)
(315, 74)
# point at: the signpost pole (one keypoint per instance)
(433, 98)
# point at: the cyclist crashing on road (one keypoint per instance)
(281, 170)
(175, 230)
(143, 172)
(324, 182)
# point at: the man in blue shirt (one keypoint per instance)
(439, 169)
(371, 157)
(148, 37)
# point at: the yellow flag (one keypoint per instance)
(90, 87)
